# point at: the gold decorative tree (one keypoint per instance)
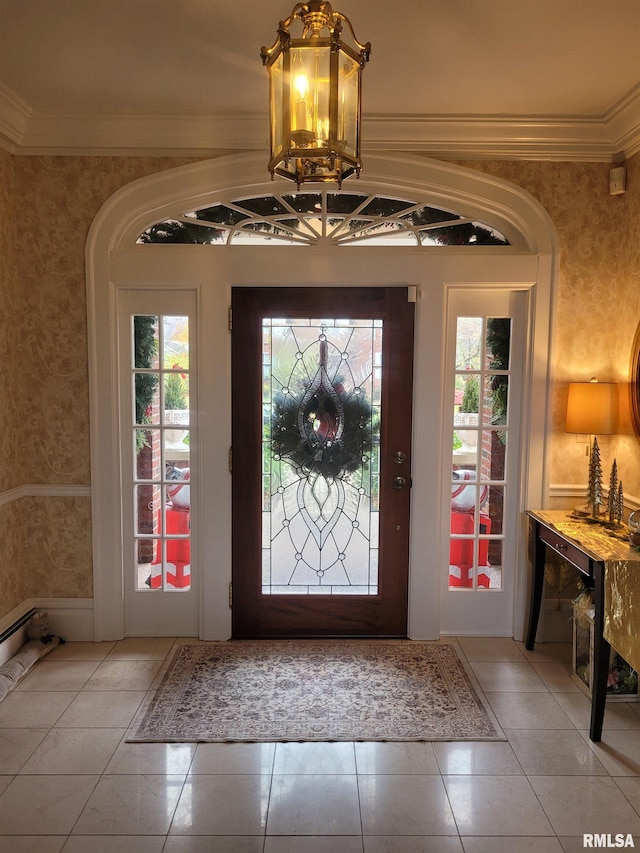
(620, 508)
(612, 497)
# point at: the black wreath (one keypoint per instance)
(316, 450)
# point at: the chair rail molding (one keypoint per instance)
(46, 490)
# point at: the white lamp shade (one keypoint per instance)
(592, 408)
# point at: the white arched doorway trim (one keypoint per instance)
(114, 262)
(506, 206)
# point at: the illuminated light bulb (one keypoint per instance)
(302, 85)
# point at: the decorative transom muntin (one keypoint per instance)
(309, 218)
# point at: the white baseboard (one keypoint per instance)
(447, 635)
(69, 618)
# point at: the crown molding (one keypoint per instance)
(494, 137)
(14, 118)
(186, 135)
(623, 120)
(609, 138)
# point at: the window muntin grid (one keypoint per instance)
(160, 373)
(307, 218)
(480, 437)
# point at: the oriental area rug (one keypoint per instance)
(315, 690)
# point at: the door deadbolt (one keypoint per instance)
(400, 457)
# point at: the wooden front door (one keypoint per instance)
(321, 424)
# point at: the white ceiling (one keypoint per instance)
(555, 79)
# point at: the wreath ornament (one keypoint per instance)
(322, 429)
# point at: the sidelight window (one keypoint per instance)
(480, 438)
(160, 445)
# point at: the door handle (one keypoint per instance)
(399, 483)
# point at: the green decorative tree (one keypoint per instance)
(498, 346)
(146, 349)
(175, 391)
(471, 394)
(595, 498)
(179, 231)
(145, 352)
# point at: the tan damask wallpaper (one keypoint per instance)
(10, 396)
(58, 546)
(598, 298)
(47, 205)
(13, 583)
(14, 580)
(57, 199)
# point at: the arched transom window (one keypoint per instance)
(308, 218)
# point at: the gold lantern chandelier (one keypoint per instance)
(314, 97)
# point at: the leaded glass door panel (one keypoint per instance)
(321, 461)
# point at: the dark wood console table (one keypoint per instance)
(552, 529)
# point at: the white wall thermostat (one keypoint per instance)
(617, 180)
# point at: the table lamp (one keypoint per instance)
(592, 409)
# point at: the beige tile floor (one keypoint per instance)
(69, 782)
